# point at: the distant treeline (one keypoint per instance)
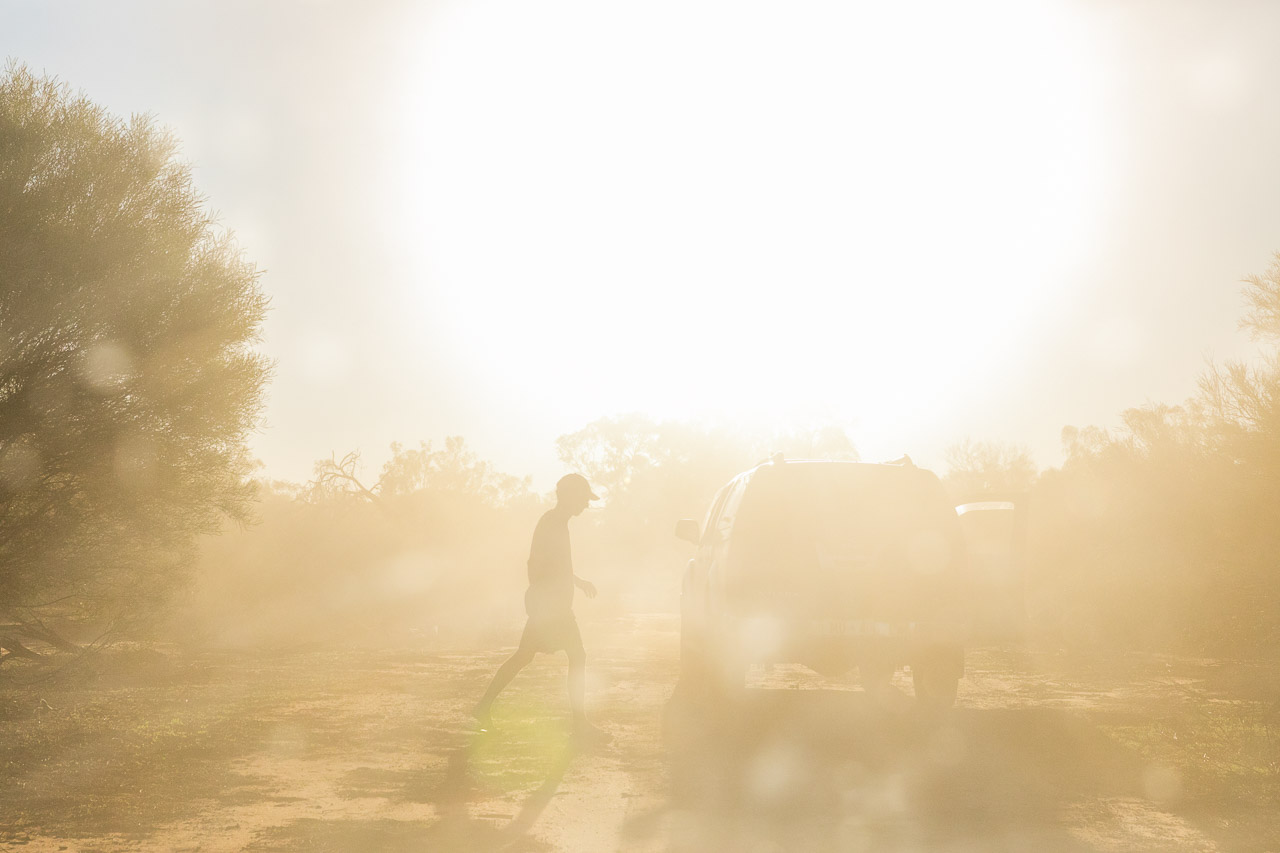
(434, 545)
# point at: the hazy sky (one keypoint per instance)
(925, 221)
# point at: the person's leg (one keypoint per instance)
(501, 679)
(583, 731)
(577, 680)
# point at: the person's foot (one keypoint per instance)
(585, 734)
(484, 723)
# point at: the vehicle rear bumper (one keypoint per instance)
(871, 628)
(775, 639)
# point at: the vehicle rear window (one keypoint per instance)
(845, 514)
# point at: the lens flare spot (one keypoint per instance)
(107, 367)
(775, 771)
(1162, 783)
(761, 637)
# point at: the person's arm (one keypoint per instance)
(587, 587)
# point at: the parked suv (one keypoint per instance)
(832, 565)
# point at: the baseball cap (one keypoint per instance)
(575, 484)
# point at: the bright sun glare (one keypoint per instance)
(745, 210)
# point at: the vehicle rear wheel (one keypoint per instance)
(685, 713)
(876, 677)
(709, 676)
(692, 662)
(935, 684)
(727, 677)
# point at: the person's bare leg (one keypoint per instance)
(501, 679)
(583, 731)
(578, 684)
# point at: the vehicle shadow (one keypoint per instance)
(826, 769)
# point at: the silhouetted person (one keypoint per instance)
(549, 605)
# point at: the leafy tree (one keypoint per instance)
(128, 377)
(1262, 294)
(436, 543)
(1245, 398)
(453, 470)
(432, 495)
(977, 468)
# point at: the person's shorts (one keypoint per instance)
(551, 632)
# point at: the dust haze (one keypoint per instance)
(477, 427)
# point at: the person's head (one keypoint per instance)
(573, 493)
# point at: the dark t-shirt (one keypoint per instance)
(550, 567)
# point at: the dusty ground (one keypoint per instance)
(372, 750)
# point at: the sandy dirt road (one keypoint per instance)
(373, 750)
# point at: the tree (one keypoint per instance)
(128, 375)
(453, 471)
(435, 542)
(1245, 398)
(1262, 294)
(978, 468)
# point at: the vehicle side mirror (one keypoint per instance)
(687, 529)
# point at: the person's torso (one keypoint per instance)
(550, 566)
